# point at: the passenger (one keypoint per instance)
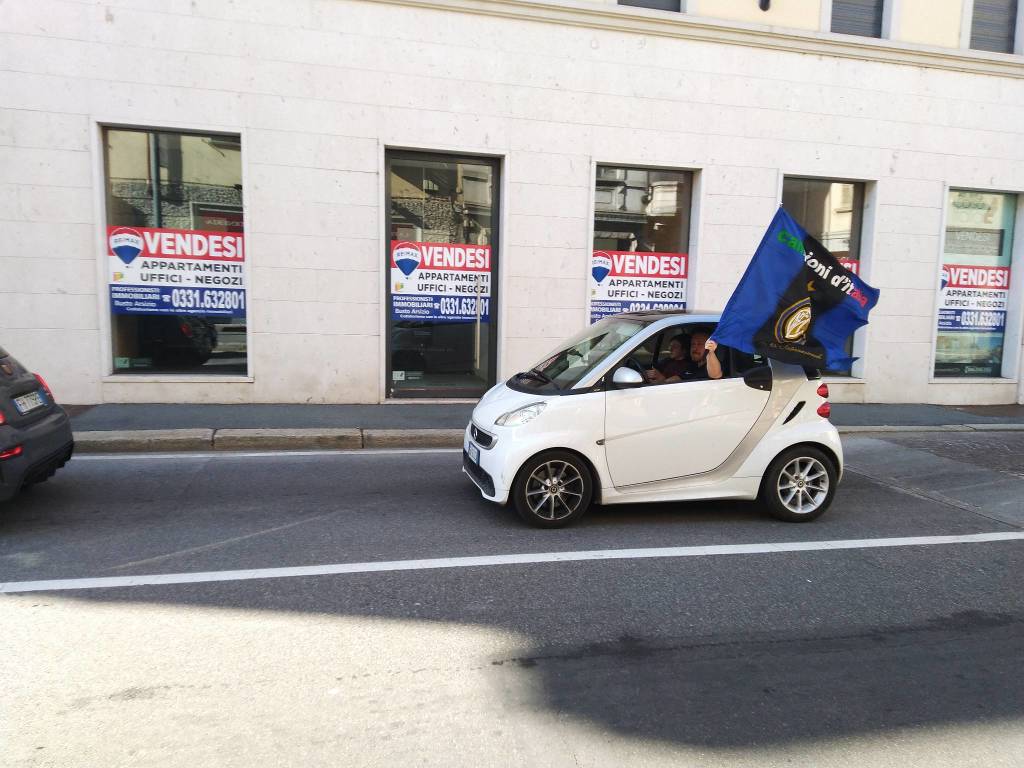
(702, 352)
(703, 363)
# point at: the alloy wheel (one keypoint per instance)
(554, 490)
(803, 485)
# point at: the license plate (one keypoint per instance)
(28, 403)
(474, 454)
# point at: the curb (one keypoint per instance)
(144, 441)
(413, 438)
(192, 440)
(285, 439)
(859, 430)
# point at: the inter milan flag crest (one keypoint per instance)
(796, 303)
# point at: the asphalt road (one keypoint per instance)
(894, 656)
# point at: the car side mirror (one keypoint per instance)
(626, 377)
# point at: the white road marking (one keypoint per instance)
(490, 560)
(258, 454)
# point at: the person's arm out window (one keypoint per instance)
(713, 363)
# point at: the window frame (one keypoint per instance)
(891, 10)
(661, 338)
(693, 240)
(864, 261)
(1013, 333)
(499, 164)
(108, 374)
(967, 23)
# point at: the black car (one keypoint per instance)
(177, 340)
(35, 433)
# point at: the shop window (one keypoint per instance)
(640, 258)
(974, 286)
(442, 266)
(993, 23)
(831, 212)
(175, 252)
(857, 17)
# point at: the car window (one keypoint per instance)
(646, 353)
(665, 342)
(656, 351)
(585, 351)
(743, 362)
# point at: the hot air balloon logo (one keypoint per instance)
(600, 265)
(125, 243)
(407, 257)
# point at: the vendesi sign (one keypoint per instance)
(447, 282)
(635, 281)
(973, 298)
(176, 272)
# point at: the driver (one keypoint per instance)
(673, 368)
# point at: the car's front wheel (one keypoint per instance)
(553, 489)
(799, 484)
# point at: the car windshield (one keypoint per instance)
(582, 353)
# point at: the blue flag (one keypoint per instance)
(796, 303)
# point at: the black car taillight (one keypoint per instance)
(45, 386)
(10, 453)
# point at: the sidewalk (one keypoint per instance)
(171, 427)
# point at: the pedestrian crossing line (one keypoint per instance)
(483, 561)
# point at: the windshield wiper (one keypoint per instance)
(537, 375)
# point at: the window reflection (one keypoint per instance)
(441, 264)
(189, 183)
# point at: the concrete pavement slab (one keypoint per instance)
(847, 429)
(412, 438)
(127, 441)
(997, 495)
(285, 439)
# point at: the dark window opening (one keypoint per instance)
(857, 17)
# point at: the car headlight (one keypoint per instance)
(520, 416)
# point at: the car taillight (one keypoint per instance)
(3, 419)
(186, 330)
(823, 390)
(824, 410)
(44, 385)
(10, 453)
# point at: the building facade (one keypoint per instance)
(354, 202)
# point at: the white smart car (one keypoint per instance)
(584, 426)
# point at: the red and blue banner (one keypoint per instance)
(973, 298)
(440, 282)
(176, 272)
(636, 281)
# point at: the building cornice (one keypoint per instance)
(682, 26)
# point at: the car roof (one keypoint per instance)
(668, 317)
